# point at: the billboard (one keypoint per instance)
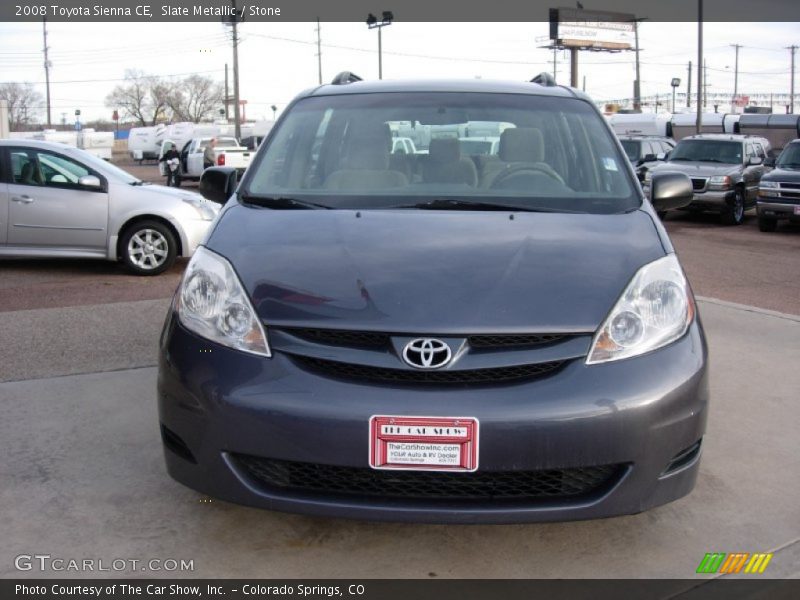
(591, 29)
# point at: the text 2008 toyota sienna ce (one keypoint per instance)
(437, 336)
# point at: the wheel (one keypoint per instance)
(767, 224)
(734, 214)
(148, 248)
(662, 214)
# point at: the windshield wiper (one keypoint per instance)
(281, 202)
(457, 204)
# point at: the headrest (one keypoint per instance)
(522, 144)
(444, 150)
(368, 146)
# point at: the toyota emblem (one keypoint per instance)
(427, 353)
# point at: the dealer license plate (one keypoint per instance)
(423, 443)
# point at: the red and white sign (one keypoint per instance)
(423, 443)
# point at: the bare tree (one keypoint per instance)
(24, 103)
(195, 98)
(141, 97)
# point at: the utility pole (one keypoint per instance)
(46, 69)
(705, 84)
(735, 79)
(700, 90)
(555, 62)
(637, 89)
(584, 83)
(233, 21)
(792, 49)
(689, 87)
(319, 51)
(373, 23)
(227, 94)
(573, 67)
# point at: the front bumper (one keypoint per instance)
(216, 403)
(777, 210)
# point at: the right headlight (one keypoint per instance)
(212, 303)
(655, 309)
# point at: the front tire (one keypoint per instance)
(734, 213)
(148, 248)
(767, 224)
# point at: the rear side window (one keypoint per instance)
(540, 152)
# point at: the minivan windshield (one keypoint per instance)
(551, 154)
(708, 151)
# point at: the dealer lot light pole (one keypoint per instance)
(373, 23)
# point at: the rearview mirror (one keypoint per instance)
(218, 183)
(670, 190)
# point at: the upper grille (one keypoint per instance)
(377, 339)
(348, 371)
(428, 485)
(699, 183)
(340, 337)
(504, 341)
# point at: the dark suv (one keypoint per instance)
(503, 341)
(724, 169)
(779, 192)
(645, 151)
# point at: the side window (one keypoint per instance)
(59, 171)
(759, 150)
(24, 168)
(751, 153)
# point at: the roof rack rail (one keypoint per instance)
(544, 78)
(345, 77)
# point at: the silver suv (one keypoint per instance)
(725, 171)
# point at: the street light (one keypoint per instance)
(373, 23)
(674, 83)
(274, 111)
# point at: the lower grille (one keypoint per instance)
(320, 479)
(348, 371)
(699, 183)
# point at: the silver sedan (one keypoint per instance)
(59, 201)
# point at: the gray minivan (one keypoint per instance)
(437, 337)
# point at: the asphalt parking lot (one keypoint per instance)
(83, 474)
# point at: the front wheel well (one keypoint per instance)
(140, 218)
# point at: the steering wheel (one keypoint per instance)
(525, 169)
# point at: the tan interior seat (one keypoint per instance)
(519, 147)
(445, 164)
(365, 165)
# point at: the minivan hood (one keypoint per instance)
(434, 272)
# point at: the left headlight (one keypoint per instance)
(212, 303)
(205, 209)
(655, 309)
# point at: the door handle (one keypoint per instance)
(24, 199)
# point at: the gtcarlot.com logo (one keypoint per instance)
(736, 562)
(46, 562)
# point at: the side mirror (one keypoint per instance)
(769, 161)
(218, 183)
(90, 181)
(753, 161)
(670, 190)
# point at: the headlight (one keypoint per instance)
(655, 309)
(719, 182)
(212, 303)
(204, 208)
(768, 188)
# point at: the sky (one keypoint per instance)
(278, 60)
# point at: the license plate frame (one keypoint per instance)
(424, 443)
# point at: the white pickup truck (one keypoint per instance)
(227, 152)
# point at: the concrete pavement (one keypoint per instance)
(83, 477)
